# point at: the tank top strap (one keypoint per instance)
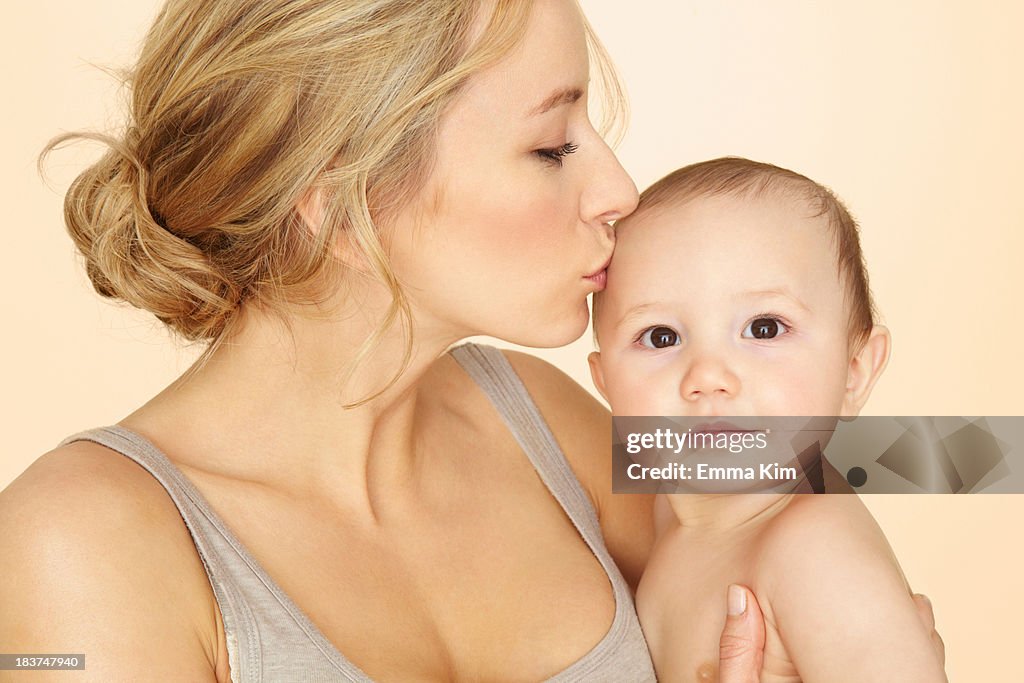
(268, 637)
(239, 623)
(489, 368)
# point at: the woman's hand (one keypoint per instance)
(924, 610)
(741, 647)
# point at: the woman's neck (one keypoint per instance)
(269, 406)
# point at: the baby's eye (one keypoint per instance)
(764, 328)
(659, 337)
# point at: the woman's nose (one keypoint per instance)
(610, 194)
(707, 378)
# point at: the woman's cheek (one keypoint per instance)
(548, 221)
(522, 227)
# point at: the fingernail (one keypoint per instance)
(737, 600)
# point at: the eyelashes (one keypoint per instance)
(765, 327)
(555, 155)
(658, 337)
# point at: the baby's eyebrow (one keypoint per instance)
(635, 312)
(639, 310)
(776, 292)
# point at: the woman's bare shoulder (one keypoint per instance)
(97, 555)
(86, 487)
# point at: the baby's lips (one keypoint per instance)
(720, 426)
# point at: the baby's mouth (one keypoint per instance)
(721, 427)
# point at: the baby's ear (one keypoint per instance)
(865, 369)
(594, 359)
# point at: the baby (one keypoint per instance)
(739, 288)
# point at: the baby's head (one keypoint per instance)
(737, 288)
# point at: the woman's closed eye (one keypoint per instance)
(765, 327)
(659, 337)
(555, 155)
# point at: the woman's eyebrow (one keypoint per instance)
(557, 99)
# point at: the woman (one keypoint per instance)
(332, 194)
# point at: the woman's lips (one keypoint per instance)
(600, 276)
(600, 279)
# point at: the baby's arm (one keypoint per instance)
(840, 602)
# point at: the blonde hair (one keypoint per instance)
(736, 176)
(239, 109)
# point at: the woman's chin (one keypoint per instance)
(558, 333)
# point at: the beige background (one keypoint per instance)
(909, 110)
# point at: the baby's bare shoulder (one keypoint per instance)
(821, 546)
(823, 528)
(826, 562)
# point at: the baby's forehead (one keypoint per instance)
(739, 222)
(774, 202)
(717, 245)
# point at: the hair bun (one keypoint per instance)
(131, 255)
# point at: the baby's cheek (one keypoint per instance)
(806, 391)
(781, 391)
(633, 394)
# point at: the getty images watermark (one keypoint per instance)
(818, 455)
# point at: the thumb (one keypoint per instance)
(741, 648)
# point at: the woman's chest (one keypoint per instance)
(497, 585)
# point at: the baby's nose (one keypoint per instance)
(709, 377)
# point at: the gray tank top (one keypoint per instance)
(270, 639)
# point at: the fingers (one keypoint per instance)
(940, 647)
(924, 610)
(741, 647)
(927, 615)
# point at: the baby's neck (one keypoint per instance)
(723, 512)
